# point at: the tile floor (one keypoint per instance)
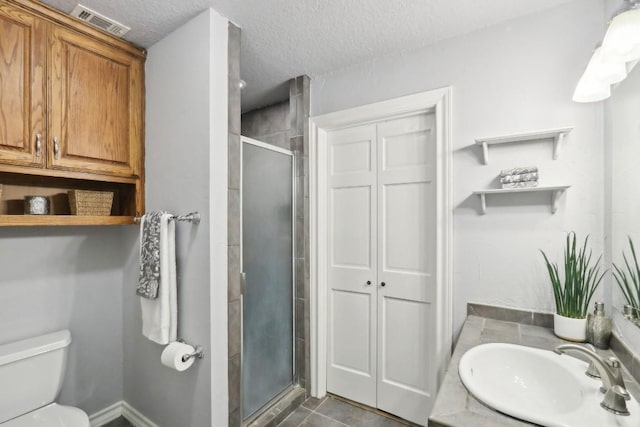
(328, 412)
(331, 412)
(119, 422)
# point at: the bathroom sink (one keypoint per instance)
(539, 386)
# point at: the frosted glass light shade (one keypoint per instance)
(622, 41)
(589, 90)
(601, 70)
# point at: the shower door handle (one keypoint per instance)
(243, 283)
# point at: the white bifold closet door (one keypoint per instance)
(381, 278)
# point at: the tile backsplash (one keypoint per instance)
(511, 315)
(629, 359)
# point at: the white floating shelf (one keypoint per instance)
(556, 134)
(556, 192)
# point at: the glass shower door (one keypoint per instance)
(267, 263)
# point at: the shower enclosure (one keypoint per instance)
(268, 276)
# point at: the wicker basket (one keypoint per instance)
(94, 203)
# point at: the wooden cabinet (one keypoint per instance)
(22, 87)
(95, 106)
(71, 109)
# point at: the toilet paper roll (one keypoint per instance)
(172, 356)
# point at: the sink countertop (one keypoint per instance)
(456, 407)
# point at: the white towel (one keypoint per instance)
(160, 315)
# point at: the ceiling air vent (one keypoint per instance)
(100, 21)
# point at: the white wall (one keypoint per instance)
(84, 278)
(56, 278)
(183, 75)
(219, 120)
(513, 77)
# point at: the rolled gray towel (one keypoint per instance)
(518, 171)
(533, 176)
(522, 184)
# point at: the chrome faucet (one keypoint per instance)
(592, 372)
(615, 393)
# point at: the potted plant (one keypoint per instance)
(574, 291)
(629, 280)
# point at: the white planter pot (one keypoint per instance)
(570, 329)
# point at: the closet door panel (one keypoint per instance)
(406, 150)
(351, 230)
(350, 157)
(406, 260)
(399, 367)
(352, 364)
(406, 237)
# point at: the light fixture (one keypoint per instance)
(589, 90)
(609, 72)
(622, 41)
(608, 64)
(594, 85)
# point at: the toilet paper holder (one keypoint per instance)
(199, 352)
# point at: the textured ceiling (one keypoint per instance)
(282, 39)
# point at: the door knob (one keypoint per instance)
(383, 284)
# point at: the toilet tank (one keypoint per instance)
(31, 373)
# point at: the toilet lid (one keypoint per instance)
(53, 415)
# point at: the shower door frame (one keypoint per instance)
(264, 145)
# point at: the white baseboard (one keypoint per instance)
(118, 409)
(135, 417)
(106, 415)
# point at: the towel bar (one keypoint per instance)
(192, 217)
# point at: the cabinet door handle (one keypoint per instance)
(368, 282)
(56, 148)
(38, 145)
(383, 284)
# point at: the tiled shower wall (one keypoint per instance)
(233, 281)
(270, 124)
(284, 125)
(299, 106)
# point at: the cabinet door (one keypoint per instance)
(22, 87)
(96, 106)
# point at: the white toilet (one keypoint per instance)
(31, 374)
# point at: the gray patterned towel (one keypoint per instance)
(521, 177)
(516, 171)
(149, 256)
(521, 184)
